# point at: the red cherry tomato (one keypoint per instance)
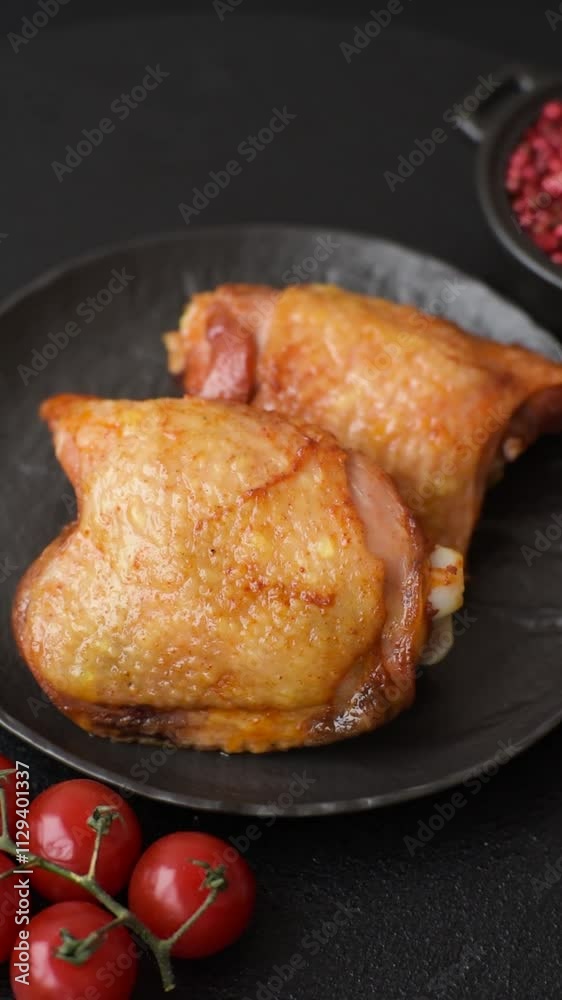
(37, 973)
(59, 831)
(166, 888)
(9, 785)
(8, 907)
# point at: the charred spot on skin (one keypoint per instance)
(126, 723)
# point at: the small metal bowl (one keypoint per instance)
(498, 125)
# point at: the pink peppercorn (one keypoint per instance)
(552, 111)
(547, 242)
(553, 185)
(534, 181)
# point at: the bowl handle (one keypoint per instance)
(510, 79)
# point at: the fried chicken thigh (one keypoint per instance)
(439, 409)
(232, 580)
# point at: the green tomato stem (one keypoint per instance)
(207, 902)
(78, 951)
(100, 821)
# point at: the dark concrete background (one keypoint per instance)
(462, 918)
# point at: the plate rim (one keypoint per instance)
(147, 790)
(68, 264)
(340, 807)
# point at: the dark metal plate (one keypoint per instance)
(497, 692)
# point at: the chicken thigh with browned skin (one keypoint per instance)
(439, 409)
(232, 580)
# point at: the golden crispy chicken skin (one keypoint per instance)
(439, 409)
(232, 581)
